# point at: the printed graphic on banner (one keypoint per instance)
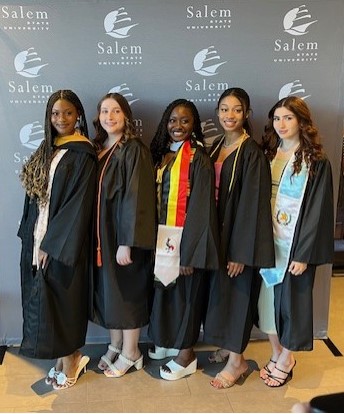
(206, 17)
(293, 88)
(207, 63)
(118, 25)
(296, 46)
(210, 132)
(124, 90)
(29, 65)
(30, 136)
(24, 18)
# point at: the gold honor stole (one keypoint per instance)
(179, 186)
(70, 138)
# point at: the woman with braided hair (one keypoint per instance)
(60, 182)
(185, 183)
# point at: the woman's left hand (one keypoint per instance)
(186, 270)
(297, 268)
(234, 269)
(123, 255)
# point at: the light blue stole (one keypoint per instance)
(289, 198)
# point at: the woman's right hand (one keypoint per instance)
(123, 255)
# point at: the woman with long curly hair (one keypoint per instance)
(125, 232)
(186, 203)
(302, 207)
(60, 182)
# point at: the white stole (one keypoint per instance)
(289, 198)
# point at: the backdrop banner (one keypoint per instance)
(153, 52)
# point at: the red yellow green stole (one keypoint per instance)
(179, 186)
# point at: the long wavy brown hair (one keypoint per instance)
(310, 148)
(129, 128)
(35, 172)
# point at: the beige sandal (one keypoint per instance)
(220, 382)
(105, 361)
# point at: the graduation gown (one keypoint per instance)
(55, 300)
(121, 296)
(246, 236)
(313, 244)
(179, 308)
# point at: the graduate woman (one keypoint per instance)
(243, 189)
(125, 233)
(60, 182)
(186, 203)
(302, 206)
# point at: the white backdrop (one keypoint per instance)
(154, 52)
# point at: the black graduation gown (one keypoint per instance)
(313, 244)
(179, 308)
(246, 236)
(55, 301)
(121, 296)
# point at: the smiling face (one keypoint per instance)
(111, 117)
(286, 124)
(231, 114)
(63, 117)
(180, 124)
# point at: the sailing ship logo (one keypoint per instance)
(297, 21)
(294, 88)
(205, 62)
(31, 135)
(125, 91)
(27, 63)
(116, 23)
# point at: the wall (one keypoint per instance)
(154, 52)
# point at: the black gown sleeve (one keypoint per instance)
(71, 206)
(199, 244)
(314, 235)
(137, 210)
(251, 241)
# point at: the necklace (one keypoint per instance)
(225, 145)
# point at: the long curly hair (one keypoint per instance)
(35, 172)
(161, 140)
(244, 99)
(129, 127)
(310, 148)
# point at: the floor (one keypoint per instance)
(22, 387)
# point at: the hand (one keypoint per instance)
(123, 255)
(42, 258)
(186, 270)
(297, 268)
(234, 269)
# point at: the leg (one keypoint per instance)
(235, 368)
(276, 349)
(130, 355)
(114, 349)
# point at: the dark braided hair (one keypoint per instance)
(161, 140)
(35, 172)
(129, 128)
(310, 147)
(244, 99)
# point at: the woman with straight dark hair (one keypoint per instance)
(243, 190)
